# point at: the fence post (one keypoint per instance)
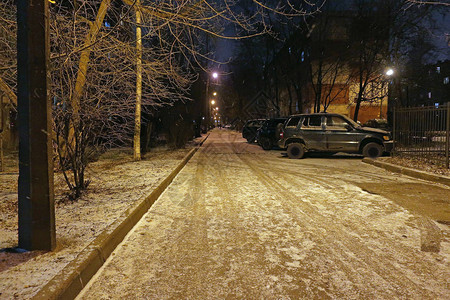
(447, 142)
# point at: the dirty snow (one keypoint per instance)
(238, 222)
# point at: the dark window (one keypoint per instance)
(312, 121)
(293, 122)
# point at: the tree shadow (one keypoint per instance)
(11, 257)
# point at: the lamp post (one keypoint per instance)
(214, 75)
(389, 73)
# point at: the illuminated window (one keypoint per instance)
(446, 80)
(438, 70)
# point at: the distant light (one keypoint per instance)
(217, 108)
(389, 72)
(203, 118)
(213, 102)
(215, 94)
(215, 75)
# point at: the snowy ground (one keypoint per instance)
(238, 222)
(117, 183)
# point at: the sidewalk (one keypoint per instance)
(408, 171)
(87, 236)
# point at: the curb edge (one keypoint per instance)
(408, 171)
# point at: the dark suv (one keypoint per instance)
(331, 133)
(250, 128)
(269, 133)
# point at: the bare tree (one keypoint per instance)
(8, 59)
(95, 64)
(380, 35)
(103, 115)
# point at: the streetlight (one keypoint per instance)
(389, 73)
(208, 103)
(213, 102)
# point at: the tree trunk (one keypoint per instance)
(137, 119)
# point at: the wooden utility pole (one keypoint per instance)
(36, 198)
(2, 164)
(137, 118)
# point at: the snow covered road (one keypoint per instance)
(240, 222)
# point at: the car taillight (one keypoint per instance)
(281, 135)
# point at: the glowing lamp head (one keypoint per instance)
(390, 72)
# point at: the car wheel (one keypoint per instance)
(372, 150)
(266, 144)
(296, 150)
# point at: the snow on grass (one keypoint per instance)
(117, 184)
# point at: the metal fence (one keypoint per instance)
(423, 132)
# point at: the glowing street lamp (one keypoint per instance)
(389, 72)
(214, 76)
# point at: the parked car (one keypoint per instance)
(378, 123)
(269, 133)
(331, 133)
(250, 128)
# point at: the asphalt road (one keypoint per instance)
(242, 223)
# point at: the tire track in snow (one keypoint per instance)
(359, 252)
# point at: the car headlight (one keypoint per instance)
(386, 137)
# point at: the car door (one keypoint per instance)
(313, 133)
(291, 127)
(340, 135)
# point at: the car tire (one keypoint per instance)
(372, 150)
(295, 150)
(266, 144)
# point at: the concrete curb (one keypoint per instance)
(74, 277)
(408, 171)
